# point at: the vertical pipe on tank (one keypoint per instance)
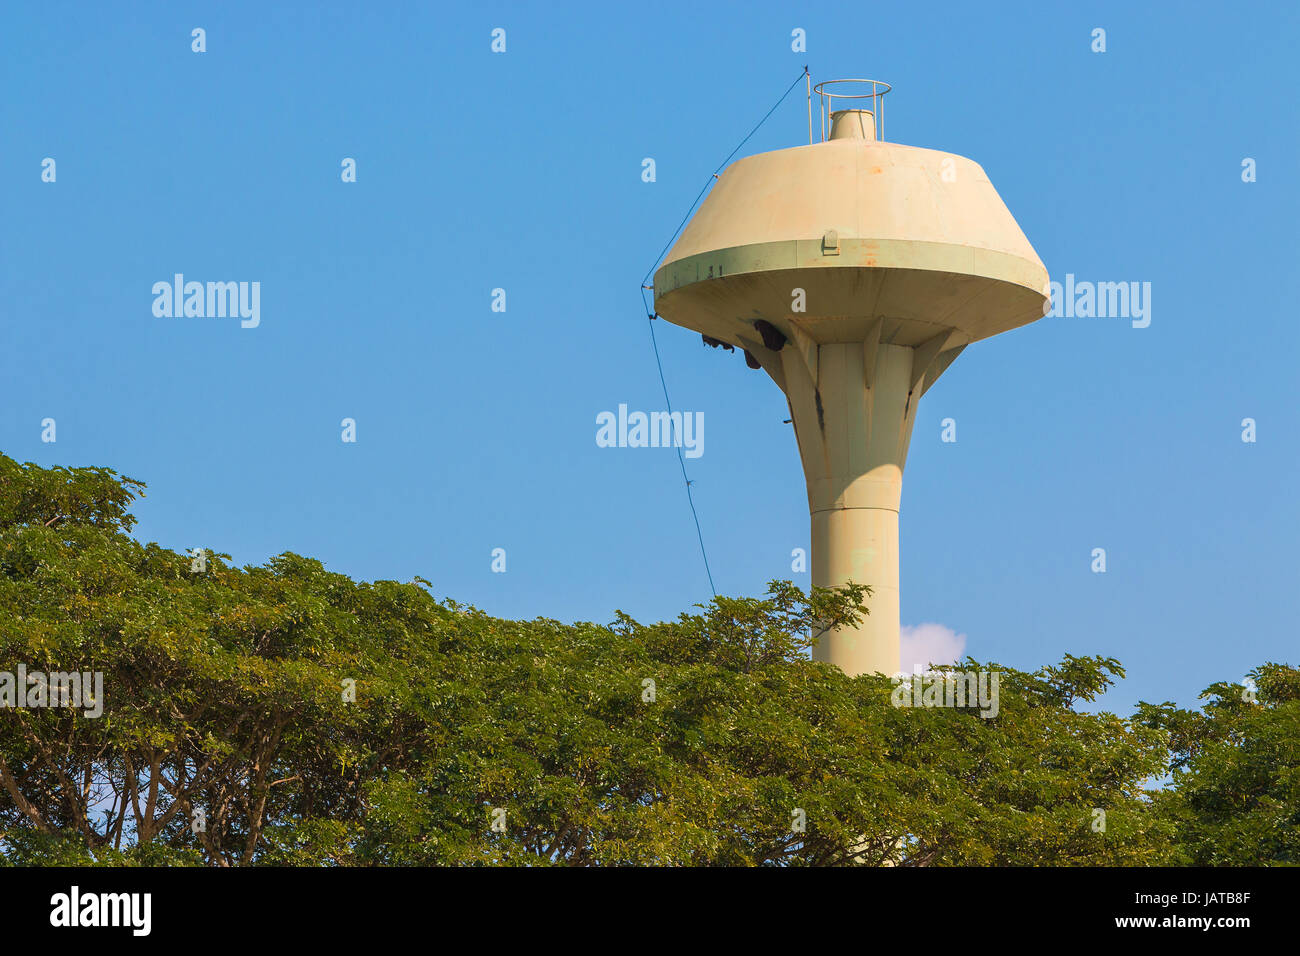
(808, 83)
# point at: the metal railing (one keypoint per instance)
(827, 97)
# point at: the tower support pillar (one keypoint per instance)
(853, 406)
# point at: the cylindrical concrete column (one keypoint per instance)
(860, 545)
(864, 401)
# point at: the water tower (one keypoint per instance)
(853, 271)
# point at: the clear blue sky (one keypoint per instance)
(522, 170)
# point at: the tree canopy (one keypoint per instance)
(284, 714)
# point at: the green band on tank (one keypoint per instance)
(853, 253)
